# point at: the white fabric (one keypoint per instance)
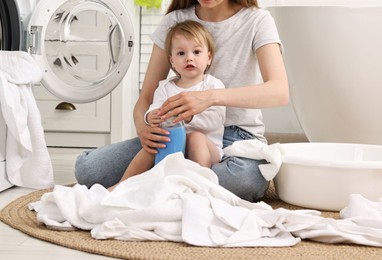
(235, 62)
(210, 121)
(28, 161)
(255, 149)
(178, 200)
(361, 223)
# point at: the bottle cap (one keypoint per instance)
(169, 122)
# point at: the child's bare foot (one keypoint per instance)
(112, 187)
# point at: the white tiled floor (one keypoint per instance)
(15, 245)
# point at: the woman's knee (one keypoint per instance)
(242, 177)
(106, 164)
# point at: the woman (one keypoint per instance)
(247, 60)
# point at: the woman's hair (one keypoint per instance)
(191, 30)
(183, 4)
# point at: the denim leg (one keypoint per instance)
(106, 165)
(241, 175)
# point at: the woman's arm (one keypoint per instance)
(157, 70)
(273, 92)
(212, 117)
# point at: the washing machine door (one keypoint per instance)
(83, 47)
(10, 29)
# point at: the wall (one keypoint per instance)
(283, 119)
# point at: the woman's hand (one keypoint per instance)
(185, 105)
(153, 137)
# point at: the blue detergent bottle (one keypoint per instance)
(177, 139)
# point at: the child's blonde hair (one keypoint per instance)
(191, 30)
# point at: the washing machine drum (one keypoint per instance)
(84, 48)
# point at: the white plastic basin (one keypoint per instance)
(323, 175)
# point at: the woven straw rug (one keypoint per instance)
(17, 215)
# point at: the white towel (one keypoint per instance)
(255, 149)
(178, 200)
(28, 161)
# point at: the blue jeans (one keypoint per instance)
(107, 164)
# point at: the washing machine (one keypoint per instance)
(83, 47)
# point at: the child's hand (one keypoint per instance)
(153, 118)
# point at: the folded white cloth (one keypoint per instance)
(28, 161)
(255, 149)
(178, 200)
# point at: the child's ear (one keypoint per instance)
(209, 58)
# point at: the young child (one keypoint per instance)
(190, 49)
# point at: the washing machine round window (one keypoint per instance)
(84, 48)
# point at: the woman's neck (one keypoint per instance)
(218, 13)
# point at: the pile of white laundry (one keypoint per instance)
(28, 163)
(178, 200)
